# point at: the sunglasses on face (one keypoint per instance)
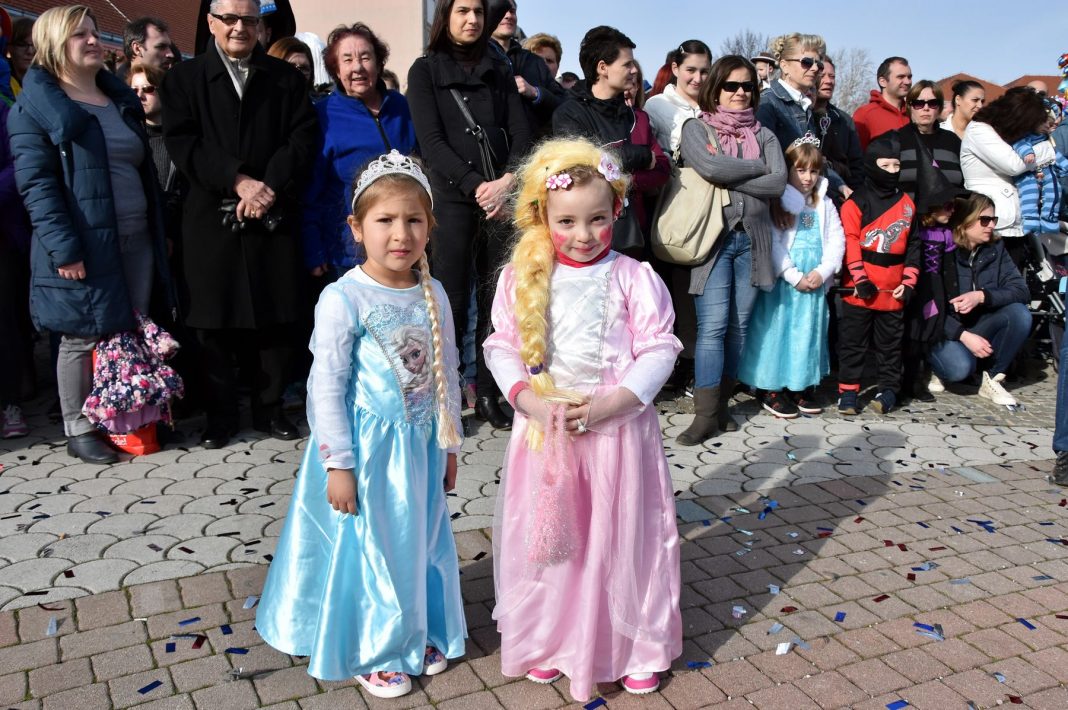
(807, 63)
(731, 87)
(147, 89)
(929, 103)
(986, 221)
(231, 20)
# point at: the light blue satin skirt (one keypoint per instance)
(368, 592)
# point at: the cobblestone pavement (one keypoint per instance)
(119, 555)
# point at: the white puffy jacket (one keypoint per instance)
(830, 228)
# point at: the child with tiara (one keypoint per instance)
(586, 549)
(787, 354)
(365, 579)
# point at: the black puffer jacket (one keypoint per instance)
(450, 151)
(603, 122)
(986, 268)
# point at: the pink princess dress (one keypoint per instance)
(603, 601)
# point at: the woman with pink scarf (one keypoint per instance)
(726, 145)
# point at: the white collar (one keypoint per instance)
(796, 95)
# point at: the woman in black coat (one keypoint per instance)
(472, 236)
(79, 145)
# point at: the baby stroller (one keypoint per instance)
(1046, 271)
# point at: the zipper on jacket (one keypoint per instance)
(382, 132)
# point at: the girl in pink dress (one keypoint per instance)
(586, 549)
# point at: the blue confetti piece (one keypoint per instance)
(925, 627)
(1027, 624)
(897, 705)
(598, 702)
(861, 502)
(236, 650)
(957, 529)
(840, 616)
(825, 529)
(725, 519)
(923, 525)
(790, 455)
(694, 665)
(169, 648)
(707, 523)
(187, 622)
(226, 630)
(1047, 523)
(250, 602)
(999, 677)
(963, 580)
(1042, 578)
(775, 628)
(150, 687)
(773, 589)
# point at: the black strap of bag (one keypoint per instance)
(484, 151)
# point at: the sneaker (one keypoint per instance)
(779, 404)
(434, 661)
(1060, 469)
(14, 425)
(807, 403)
(640, 683)
(934, 385)
(884, 402)
(848, 404)
(992, 389)
(382, 684)
(543, 675)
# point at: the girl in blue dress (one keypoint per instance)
(787, 354)
(365, 579)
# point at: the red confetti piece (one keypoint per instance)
(789, 609)
(858, 519)
(936, 549)
(1063, 503)
(1016, 700)
(911, 577)
(824, 534)
(901, 546)
(1059, 616)
(888, 543)
(881, 598)
(201, 638)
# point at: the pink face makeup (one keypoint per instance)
(605, 237)
(559, 239)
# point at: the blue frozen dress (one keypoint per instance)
(786, 347)
(368, 592)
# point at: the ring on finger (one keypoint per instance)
(581, 426)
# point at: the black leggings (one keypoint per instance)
(863, 331)
(466, 244)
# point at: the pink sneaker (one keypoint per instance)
(14, 425)
(543, 675)
(386, 684)
(640, 683)
(434, 661)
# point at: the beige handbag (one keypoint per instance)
(689, 215)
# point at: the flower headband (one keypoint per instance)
(393, 163)
(562, 180)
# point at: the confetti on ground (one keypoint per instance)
(738, 612)
(1027, 624)
(250, 602)
(1042, 578)
(999, 677)
(925, 567)
(53, 627)
(169, 648)
(150, 687)
(187, 622)
(858, 519)
(910, 577)
(897, 705)
(934, 632)
(840, 616)
(480, 555)
(783, 648)
(694, 665)
(226, 630)
(788, 609)
(199, 641)
(881, 598)
(962, 580)
(596, 703)
(935, 549)
(186, 550)
(1016, 700)
(775, 628)
(237, 650)
(69, 573)
(773, 589)
(792, 534)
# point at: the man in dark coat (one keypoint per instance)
(240, 128)
(540, 91)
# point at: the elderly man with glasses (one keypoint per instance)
(239, 126)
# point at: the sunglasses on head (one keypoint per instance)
(807, 63)
(731, 87)
(231, 20)
(929, 103)
(988, 221)
(146, 89)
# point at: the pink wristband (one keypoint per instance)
(514, 392)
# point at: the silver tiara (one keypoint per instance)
(809, 138)
(393, 163)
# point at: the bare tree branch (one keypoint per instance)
(746, 43)
(854, 78)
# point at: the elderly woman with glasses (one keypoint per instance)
(926, 149)
(728, 147)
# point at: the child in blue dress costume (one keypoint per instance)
(365, 579)
(786, 354)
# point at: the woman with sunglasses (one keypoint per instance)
(979, 318)
(924, 146)
(786, 107)
(728, 147)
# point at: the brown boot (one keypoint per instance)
(726, 389)
(705, 406)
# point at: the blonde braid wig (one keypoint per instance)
(534, 254)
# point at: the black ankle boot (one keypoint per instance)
(91, 448)
(218, 432)
(272, 421)
(488, 410)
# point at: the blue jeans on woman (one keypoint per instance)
(1060, 426)
(1005, 328)
(723, 312)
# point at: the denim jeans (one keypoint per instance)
(1005, 328)
(723, 312)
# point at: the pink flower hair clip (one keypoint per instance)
(608, 168)
(559, 181)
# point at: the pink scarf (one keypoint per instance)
(735, 127)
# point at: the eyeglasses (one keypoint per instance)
(731, 87)
(929, 103)
(987, 221)
(231, 20)
(807, 63)
(147, 89)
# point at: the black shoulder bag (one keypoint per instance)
(484, 150)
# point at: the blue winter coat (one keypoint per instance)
(61, 168)
(350, 136)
